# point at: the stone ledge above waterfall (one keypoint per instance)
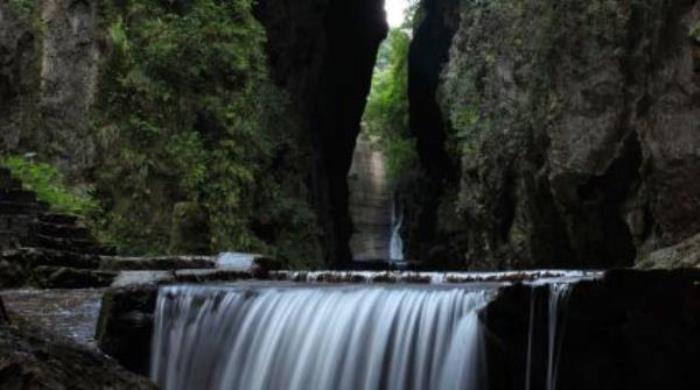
(613, 323)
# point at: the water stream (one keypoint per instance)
(317, 338)
(558, 293)
(396, 253)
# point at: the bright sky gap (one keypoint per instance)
(395, 12)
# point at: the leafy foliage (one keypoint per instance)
(50, 186)
(23, 7)
(386, 115)
(187, 113)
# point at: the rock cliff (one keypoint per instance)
(67, 74)
(572, 128)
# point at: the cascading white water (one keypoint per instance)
(396, 242)
(530, 341)
(556, 321)
(344, 338)
(558, 297)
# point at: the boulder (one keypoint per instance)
(628, 330)
(125, 326)
(30, 359)
(686, 254)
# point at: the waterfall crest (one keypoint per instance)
(317, 338)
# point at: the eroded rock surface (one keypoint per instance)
(125, 326)
(628, 330)
(573, 128)
(31, 358)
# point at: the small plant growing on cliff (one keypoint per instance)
(50, 186)
(695, 31)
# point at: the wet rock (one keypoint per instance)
(68, 313)
(4, 319)
(683, 255)
(31, 359)
(125, 326)
(628, 330)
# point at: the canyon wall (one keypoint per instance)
(48, 78)
(323, 52)
(572, 129)
(82, 90)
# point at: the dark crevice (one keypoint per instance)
(323, 55)
(606, 239)
(428, 54)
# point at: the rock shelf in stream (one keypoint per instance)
(31, 358)
(587, 343)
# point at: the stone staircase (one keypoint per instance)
(44, 248)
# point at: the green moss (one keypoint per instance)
(51, 187)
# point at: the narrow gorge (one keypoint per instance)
(350, 194)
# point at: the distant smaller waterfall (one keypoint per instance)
(396, 242)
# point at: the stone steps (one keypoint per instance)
(58, 218)
(85, 246)
(33, 257)
(17, 196)
(18, 208)
(74, 232)
(67, 277)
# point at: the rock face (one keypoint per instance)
(125, 326)
(45, 249)
(18, 87)
(31, 359)
(48, 79)
(630, 330)
(573, 128)
(322, 52)
(370, 203)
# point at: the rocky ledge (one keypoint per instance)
(624, 329)
(32, 359)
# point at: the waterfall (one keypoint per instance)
(556, 321)
(396, 242)
(530, 341)
(306, 338)
(558, 297)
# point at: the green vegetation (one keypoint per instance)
(695, 31)
(187, 115)
(386, 116)
(50, 186)
(23, 7)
